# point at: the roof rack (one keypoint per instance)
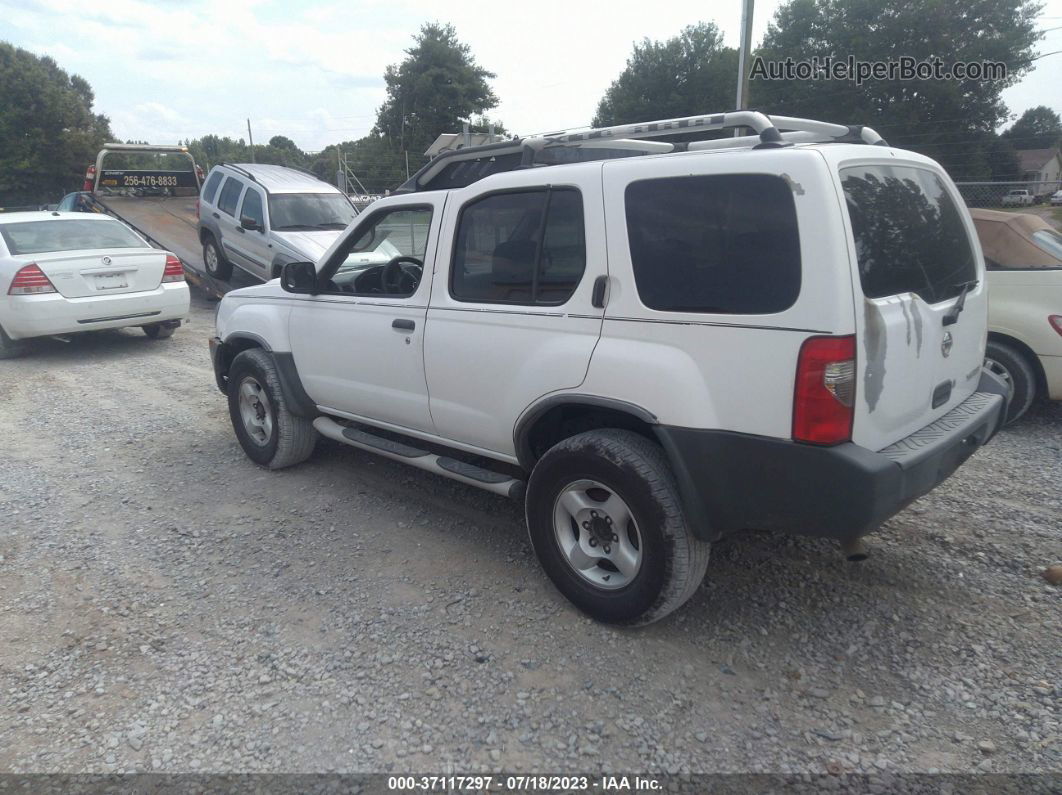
(239, 170)
(625, 140)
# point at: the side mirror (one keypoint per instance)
(299, 277)
(250, 224)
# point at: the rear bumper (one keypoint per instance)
(733, 481)
(25, 316)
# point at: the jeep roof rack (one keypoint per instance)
(463, 166)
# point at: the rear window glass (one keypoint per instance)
(35, 237)
(211, 187)
(505, 253)
(909, 235)
(723, 243)
(230, 194)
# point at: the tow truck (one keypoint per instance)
(160, 204)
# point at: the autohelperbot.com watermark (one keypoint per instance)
(905, 67)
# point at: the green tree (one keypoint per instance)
(438, 85)
(1036, 128)
(689, 74)
(949, 120)
(48, 130)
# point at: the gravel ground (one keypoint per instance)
(166, 605)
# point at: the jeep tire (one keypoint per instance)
(214, 260)
(607, 525)
(268, 432)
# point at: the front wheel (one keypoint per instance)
(606, 523)
(269, 434)
(1014, 368)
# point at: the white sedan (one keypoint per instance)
(1056, 198)
(62, 273)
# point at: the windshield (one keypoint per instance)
(289, 212)
(35, 237)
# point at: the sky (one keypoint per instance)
(312, 70)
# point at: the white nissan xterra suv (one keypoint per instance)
(651, 344)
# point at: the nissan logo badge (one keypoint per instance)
(106, 260)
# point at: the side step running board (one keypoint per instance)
(469, 474)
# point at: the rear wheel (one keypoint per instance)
(161, 331)
(215, 262)
(269, 434)
(607, 525)
(1014, 368)
(9, 348)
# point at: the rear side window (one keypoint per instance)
(211, 187)
(724, 243)
(909, 235)
(520, 248)
(230, 194)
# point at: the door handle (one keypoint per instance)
(215, 215)
(403, 325)
(597, 298)
(241, 230)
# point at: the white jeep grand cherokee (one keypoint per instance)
(651, 344)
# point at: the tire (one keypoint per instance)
(269, 434)
(214, 261)
(10, 348)
(160, 331)
(590, 471)
(1014, 367)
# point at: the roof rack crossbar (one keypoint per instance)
(768, 129)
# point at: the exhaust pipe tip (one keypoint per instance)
(854, 550)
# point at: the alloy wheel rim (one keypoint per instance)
(255, 411)
(597, 534)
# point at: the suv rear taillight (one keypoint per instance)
(824, 396)
(90, 178)
(1056, 322)
(174, 270)
(30, 280)
(197, 209)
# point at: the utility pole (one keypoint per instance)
(744, 55)
(251, 139)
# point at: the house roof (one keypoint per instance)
(1034, 159)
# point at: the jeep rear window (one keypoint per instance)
(211, 187)
(723, 243)
(230, 194)
(909, 235)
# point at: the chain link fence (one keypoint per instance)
(990, 194)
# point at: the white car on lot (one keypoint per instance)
(650, 349)
(64, 273)
(1056, 198)
(1018, 198)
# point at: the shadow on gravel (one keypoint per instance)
(93, 344)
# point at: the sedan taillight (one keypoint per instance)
(30, 280)
(1056, 322)
(174, 270)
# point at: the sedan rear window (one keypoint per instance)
(725, 243)
(909, 236)
(36, 237)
